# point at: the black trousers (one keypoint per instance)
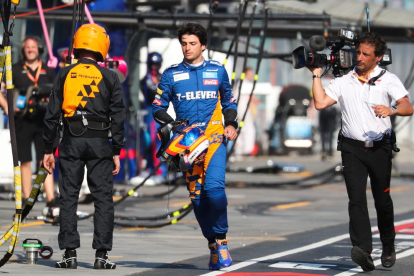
(359, 163)
(97, 155)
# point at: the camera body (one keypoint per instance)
(33, 101)
(341, 59)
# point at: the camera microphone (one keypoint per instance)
(317, 43)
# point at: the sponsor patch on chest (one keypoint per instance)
(210, 82)
(183, 76)
(197, 95)
(209, 75)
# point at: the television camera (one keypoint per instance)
(33, 101)
(340, 59)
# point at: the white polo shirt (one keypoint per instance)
(356, 100)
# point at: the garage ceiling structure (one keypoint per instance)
(392, 24)
(286, 18)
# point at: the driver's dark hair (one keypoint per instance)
(193, 29)
(376, 40)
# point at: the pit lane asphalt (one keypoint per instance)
(263, 221)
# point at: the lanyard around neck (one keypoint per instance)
(30, 76)
(372, 80)
(361, 78)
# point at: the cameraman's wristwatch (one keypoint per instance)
(316, 76)
(394, 110)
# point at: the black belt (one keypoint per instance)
(367, 144)
(92, 124)
(94, 129)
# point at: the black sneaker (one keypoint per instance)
(362, 258)
(388, 256)
(102, 261)
(68, 260)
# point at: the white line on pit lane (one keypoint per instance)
(376, 263)
(399, 236)
(306, 248)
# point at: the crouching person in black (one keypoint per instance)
(89, 99)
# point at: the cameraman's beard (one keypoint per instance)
(361, 68)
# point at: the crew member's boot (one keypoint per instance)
(102, 261)
(68, 260)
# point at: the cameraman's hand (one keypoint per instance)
(382, 111)
(315, 70)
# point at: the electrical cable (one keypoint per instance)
(175, 182)
(82, 13)
(249, 34)
(324, 176)
(179, 214)
(212, 8)
(236, 40)
(125, 196)
(245, 43)
(129, 193)
(285, 57)
(73, 27)
(239, 22)
(262, 43)
(162, 194)
(157, 217)
(177, 218)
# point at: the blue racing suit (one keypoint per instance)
(202, 95)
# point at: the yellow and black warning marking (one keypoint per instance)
(13, 231)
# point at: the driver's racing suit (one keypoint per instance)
(202, 94)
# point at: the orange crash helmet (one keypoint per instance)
(186, 148)
(92, 37)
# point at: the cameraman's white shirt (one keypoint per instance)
(356, 100)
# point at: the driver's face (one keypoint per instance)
(192, 49)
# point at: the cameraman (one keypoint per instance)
(366, 141)
(31, 71)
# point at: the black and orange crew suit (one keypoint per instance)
(90, 100)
